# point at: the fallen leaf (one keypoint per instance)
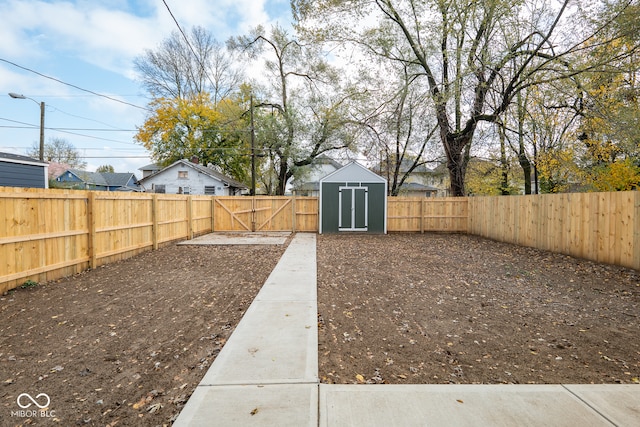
(360, 378)
(139, 404)
(154, 408)
(254, 411)
(459, 401)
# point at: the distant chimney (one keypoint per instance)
(194, 159)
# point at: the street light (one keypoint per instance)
(18, 96)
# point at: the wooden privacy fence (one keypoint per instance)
(603, 227)
(266, 213)
(47, 234)
(420, 214)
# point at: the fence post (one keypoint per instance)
(91, 219)
(213, 213)
(422, 209)
(293, 214)
(636, 228)
(154, 220)
(189, 217)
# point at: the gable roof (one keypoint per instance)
(152, 167)
(353, 171)
(17, 158)
(202, 169)
(89, 177)
(107, 179)
(414, 186)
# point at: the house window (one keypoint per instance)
(210, 190)
(183, 174)
(157, 188)
(186, 190)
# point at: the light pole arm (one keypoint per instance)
(20, 96)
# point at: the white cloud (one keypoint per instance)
(92, 44)
(109, 34)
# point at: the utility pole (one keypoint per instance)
(42, 131)
(253, 150)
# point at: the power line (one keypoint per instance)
(186, 39)
(84, 118)
(61, 129)
(74, 86)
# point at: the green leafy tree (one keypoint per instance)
(105, 169)
(182, 128)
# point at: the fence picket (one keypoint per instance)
(47, 234)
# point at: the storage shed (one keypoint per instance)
(22, 171)
(353, 199)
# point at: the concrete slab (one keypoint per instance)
(295, 276)
(619, 403)
(275, 342)
(454, 405)
(294, 405)
(240, 238)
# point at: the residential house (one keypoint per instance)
(307, 182)
(421, 182)
(22, 171)
(150, 169)
(188, 177)
(99, 181)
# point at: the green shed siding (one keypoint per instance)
(353, 199)
(375, 209)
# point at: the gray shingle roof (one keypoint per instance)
(11, 156)
(119, 179)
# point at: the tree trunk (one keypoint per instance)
(504, 165)
(457, 160)
(526, 169)
(283, 176)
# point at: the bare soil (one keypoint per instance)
(125, 344)
(458, 309)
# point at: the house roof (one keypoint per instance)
(414, 186)
(323, 159)
(89, 177)
(17, 158)
(106, 179)
(150, 167)
(405, 165)
(202, 169)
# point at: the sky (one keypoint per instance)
(69, 53)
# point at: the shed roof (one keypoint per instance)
(353, 172)
(17, 158)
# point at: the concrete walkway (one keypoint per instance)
(266, 375)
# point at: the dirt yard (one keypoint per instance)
(127, 343)
(441, 309)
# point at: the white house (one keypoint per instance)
(307, 182)
(185, 177)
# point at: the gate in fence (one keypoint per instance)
(254, 214)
